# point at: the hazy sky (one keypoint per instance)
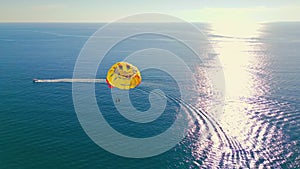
(108, 10)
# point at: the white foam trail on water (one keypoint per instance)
(69, 80)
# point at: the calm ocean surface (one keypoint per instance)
(259, 127)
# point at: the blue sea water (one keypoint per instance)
(259, 126)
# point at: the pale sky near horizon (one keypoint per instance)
(190, 10)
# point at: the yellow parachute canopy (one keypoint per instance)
(124, 76)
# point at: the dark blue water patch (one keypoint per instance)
(139, 98)
(39, 127)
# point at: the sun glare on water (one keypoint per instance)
(232, 45)
(233, 42)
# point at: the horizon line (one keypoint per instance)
(105, 22)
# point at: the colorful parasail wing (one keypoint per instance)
(124, 76)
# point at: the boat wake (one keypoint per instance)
(69, 80)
